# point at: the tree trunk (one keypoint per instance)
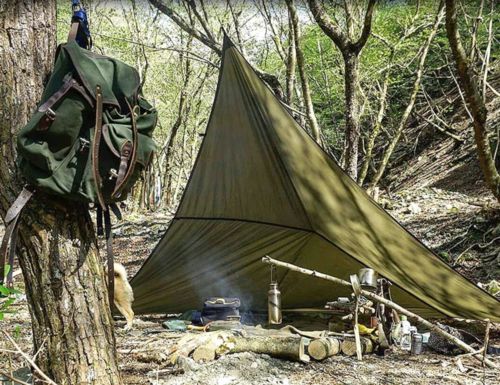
(350, 50)
(291, 62)
(306, 91)
(376, 129)
(65, 284)
(474, 101)
(351, 82)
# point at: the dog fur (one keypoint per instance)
(124, 296)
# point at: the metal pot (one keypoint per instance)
(368, 279)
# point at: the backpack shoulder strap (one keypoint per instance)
(8, 246)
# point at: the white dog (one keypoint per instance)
(124, 296)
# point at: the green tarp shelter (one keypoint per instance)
(261, 185)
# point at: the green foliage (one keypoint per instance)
(7, 297)
(135, 32)
(324, 64)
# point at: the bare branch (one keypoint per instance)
(177, 19)
(367, 27)
(29, 360)
(327, 25)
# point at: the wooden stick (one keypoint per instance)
(486, 339)
(30, 361)
(267, 259)
(359, 354)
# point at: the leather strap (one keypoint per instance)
(12, 251)
(109, 252)
(133, 157)
(5, 249)
(66, 86)
(116, 210)
(8, 245)
(16, 207)
(100, 229)
(96, 146)
(69, 83)
(125, 155)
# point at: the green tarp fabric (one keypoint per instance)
(261, 186)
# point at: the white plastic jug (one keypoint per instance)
(406, 328)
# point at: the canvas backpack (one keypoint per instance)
(88, 140)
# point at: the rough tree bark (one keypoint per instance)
(306, 91)
(291, 62)
(411, 102)
(474, 101)
(350, 49)
(57, 251)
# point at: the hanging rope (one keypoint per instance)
(80, 25)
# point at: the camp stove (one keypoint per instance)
(220, 309)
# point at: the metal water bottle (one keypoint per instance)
(274, 304)
(274, 301)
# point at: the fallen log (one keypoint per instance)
(291, 348)
(386, 302)
(323, 348)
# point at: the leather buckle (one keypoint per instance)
(84, 144)
(50, 114)
(113, 174)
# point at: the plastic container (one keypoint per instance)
(405, 341)
(396, 332)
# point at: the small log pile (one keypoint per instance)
(208, 346)
(203, 347)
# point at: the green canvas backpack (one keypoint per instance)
(88, 140)
(90, 137)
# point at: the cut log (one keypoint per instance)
(191, 342)
(204, 353)
(323, 348)
(291, 348)
(348, 346)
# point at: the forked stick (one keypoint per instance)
(30, 361)
(267, 259)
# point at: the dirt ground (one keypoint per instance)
(463, 229)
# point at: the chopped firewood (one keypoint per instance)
(190, 342)
(207, 352)
(322, 348)
(348, 346)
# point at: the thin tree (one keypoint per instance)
(393, 48)
(57, 249)
(474, 101)
(411, 101)
(350, 48)
(306, 90)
